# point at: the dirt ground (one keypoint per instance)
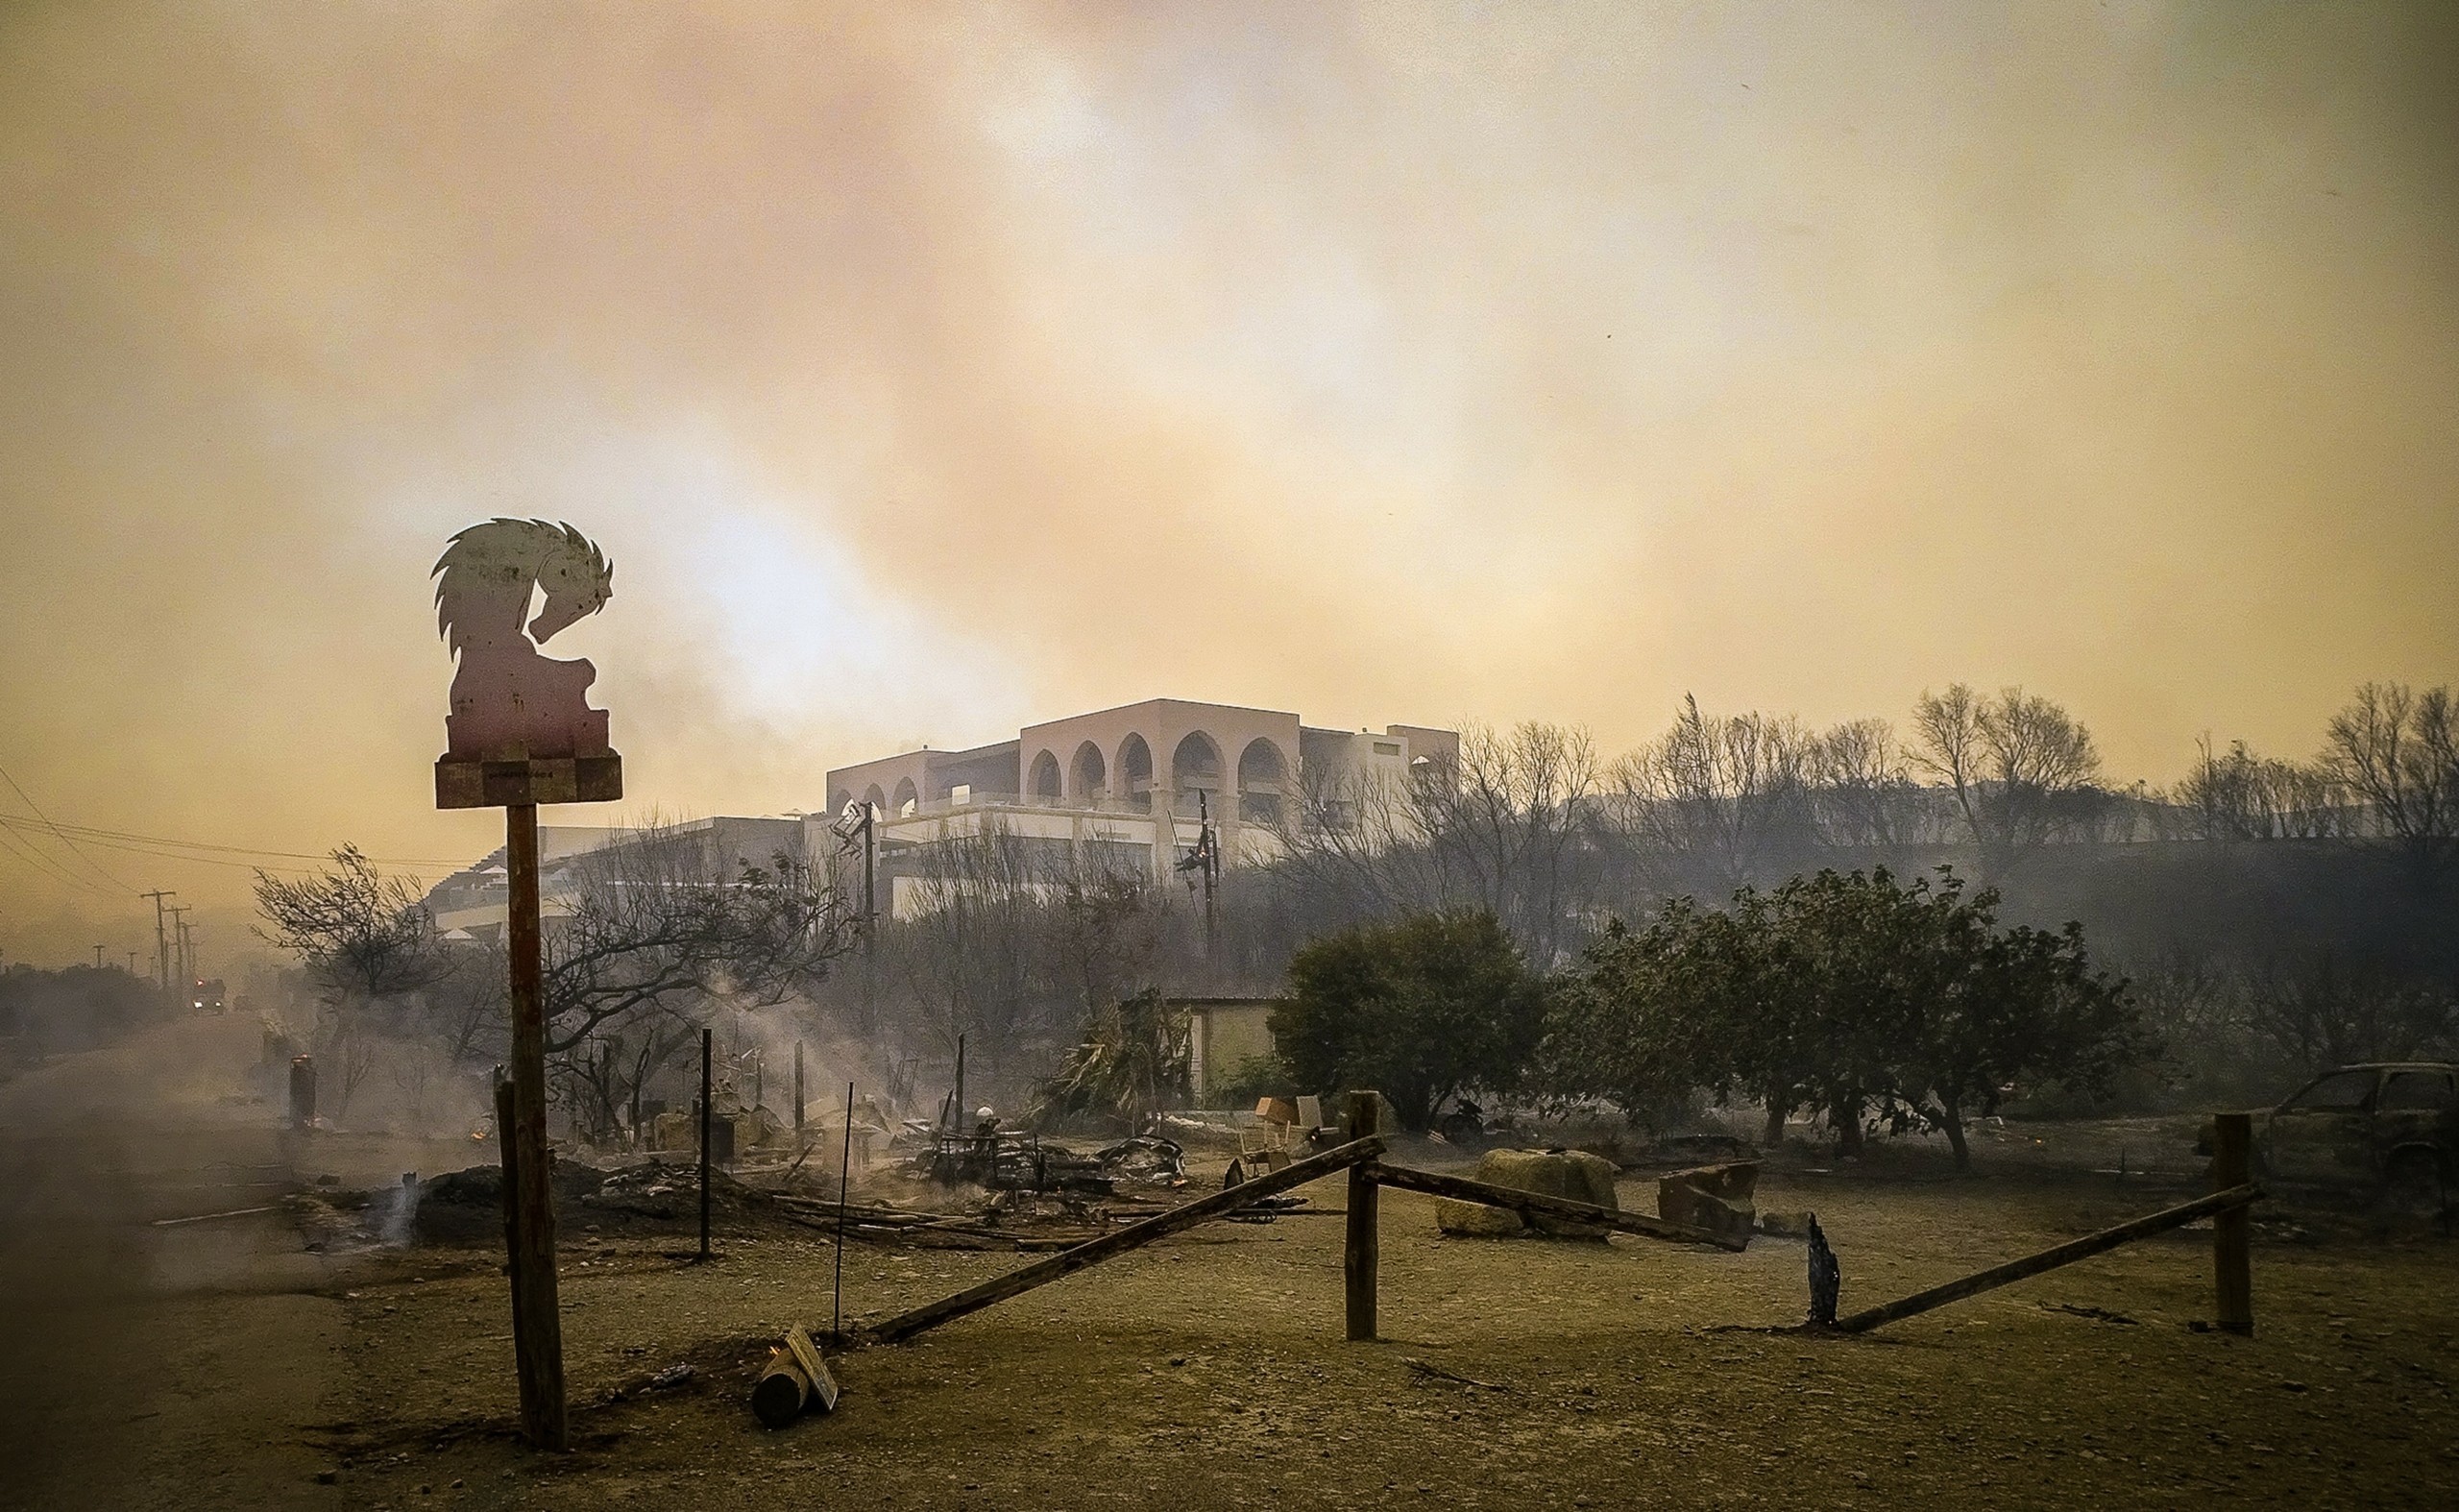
(218, 1365)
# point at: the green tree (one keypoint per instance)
(1418, 1010)
(1647, 1016)
(1998, 1008)
(1847, 991)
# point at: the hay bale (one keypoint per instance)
(1574, 1175)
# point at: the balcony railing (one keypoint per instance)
(1223, 804)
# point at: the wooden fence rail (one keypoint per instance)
(1361, 1157)
(2050, 1259)
(1066, 1263)
(1531, 1204)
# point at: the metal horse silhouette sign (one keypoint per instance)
(520, 729)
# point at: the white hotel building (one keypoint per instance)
(1124, 781)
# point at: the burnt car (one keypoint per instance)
(2391, 1126)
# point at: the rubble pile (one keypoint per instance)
(1003, 1160)
(466, 1206)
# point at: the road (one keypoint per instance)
(185, 1365)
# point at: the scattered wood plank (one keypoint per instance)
(209, 1217)
(1428, 1368)
(823, 1385)
(973, 1298)
(2050, 1259)
(1530, 1204)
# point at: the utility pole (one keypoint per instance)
(162, 938)
(1207, 864)
(870, 878)
(178, 946)
(131, 962)
(98, 958)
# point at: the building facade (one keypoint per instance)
(1134, 783)
(474, 902)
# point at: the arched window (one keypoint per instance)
(1195, 766)
(837, 802)
(877, 799)
(1088, 776)
(1261, 774)
(906, 800)
(1043, 784)
(1136, 772)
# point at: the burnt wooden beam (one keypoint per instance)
(2050, 1259)
(1532, 1205)
(1067, 1262)
(782, 1391)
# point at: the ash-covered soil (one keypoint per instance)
(234, 1367)
(1208, 1371)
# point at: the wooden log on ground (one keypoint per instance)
(2232, 1148)
(796, 1380)
(2050, 1259)
(778, 1397)
(1529, 1205)
(1066, 1263)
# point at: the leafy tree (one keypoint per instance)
(1847, 940)
(1639, 1021)
(1996, 1008)
(1846, 991)
(1418, 1010)
(1782, 996)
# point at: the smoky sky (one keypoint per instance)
(928, 370)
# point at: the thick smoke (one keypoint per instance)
(927, 373)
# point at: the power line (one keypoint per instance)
(6, 823)
(90, 863)
(182, 849)
(49, 868)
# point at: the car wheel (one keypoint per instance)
(2413, 1183)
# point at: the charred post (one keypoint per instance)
(1360, 1255)
(2231, 1231)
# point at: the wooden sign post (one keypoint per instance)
(521, 734)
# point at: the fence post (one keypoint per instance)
(1362, 1116)
(2232, 1146)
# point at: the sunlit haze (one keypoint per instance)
(928, 372)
